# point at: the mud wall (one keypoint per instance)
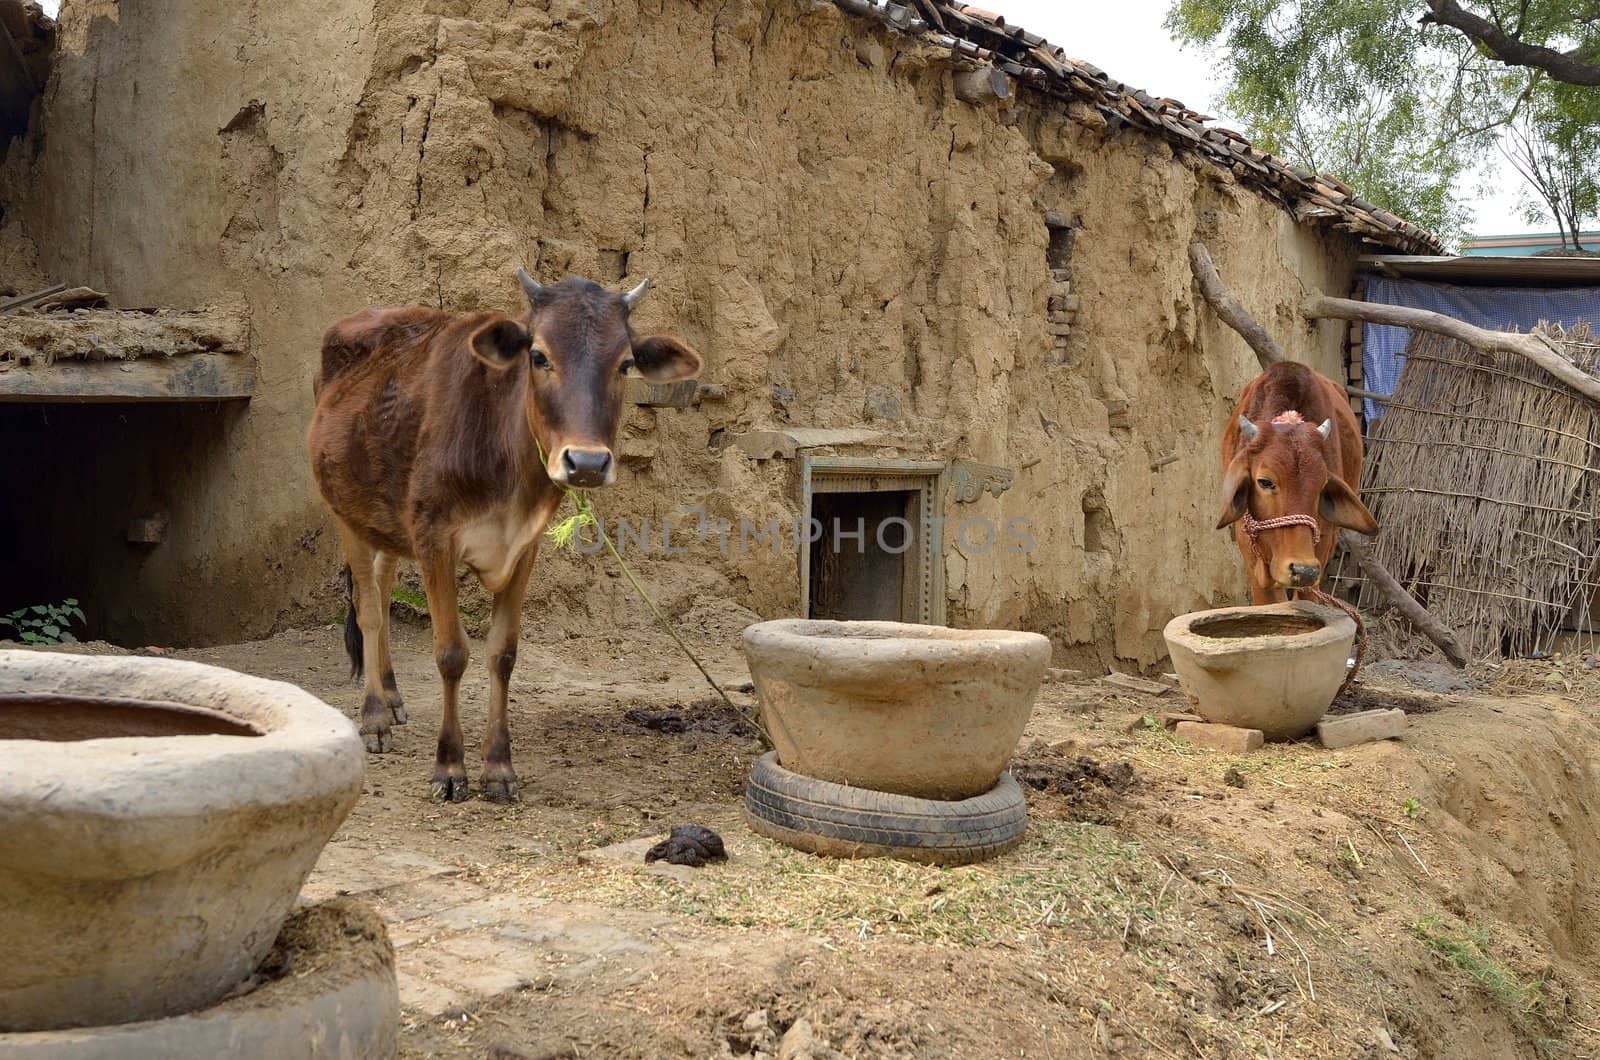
(845, 242)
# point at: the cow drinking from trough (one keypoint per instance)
(447, 438)
(1291, 458)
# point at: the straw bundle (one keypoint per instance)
(1484, 473)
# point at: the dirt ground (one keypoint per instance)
(1433, 897)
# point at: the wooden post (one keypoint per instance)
(1403, 601)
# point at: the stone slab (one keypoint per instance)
(1227, 738)
(354, 869)
(1347, 730)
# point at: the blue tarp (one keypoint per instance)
(1383, 346)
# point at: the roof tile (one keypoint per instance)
(976, 34)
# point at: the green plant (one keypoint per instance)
(45, 623)
(1405, 109)
(1414, 809)
(1467, 948)
(412, 599)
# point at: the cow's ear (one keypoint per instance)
(664, 359)
(500, 343)
(1340, 506)
(1235, 491)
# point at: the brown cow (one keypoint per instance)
(1291, 458)
(447, 438)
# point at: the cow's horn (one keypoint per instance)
(635, 296)
(530, 286)
(1248, 430)
(1325, 428)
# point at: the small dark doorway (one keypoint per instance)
(877, 537)
(858, 565)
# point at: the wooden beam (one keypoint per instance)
(188, 377)
(1268, 352)
(29, 299)
(983, 85)
(1535, 348)
(1370, 395)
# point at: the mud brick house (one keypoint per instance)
(935, 266)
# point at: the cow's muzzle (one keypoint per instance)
(583, 468)
(1304, 575)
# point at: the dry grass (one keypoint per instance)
(1482, 473)
(1064, 873)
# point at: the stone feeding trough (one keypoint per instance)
(891, 738)
(1273, 669)
(157, 819)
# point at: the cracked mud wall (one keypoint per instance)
(845, 242)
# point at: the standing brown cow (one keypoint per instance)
(1291, 459)
(447, 438)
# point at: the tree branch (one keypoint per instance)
(1570, 67)
(1228, 308)
(1534, 347)
(1404, 602)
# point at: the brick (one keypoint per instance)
(1347, 730)
(1167, 719)
(1227, 738)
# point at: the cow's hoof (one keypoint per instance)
(378, 741)
(397, 711)
(449, 788)
(501, 789)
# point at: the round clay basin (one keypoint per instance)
(330, 994)
(157, 819)
(1275, 668)
(915, 710)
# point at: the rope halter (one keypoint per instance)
(1253, 527)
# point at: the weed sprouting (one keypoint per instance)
(45, 623)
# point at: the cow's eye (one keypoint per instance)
(1265, 483)
(625, 366)
(539, 358)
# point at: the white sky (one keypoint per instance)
(1125, 38)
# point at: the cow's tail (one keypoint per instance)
(354, 643)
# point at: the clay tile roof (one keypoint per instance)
(983, 36)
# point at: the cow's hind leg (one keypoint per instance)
(450, 653)
(499, 778)
(372, 615)
(383, 571)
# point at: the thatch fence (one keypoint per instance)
(1484, 473)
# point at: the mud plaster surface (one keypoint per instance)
(818, 212)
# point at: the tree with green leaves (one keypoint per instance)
(1402, 98)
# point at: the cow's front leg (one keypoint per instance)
(499, 778)
(383, 567)
(450, 652)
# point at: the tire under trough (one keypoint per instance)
(841, 821)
